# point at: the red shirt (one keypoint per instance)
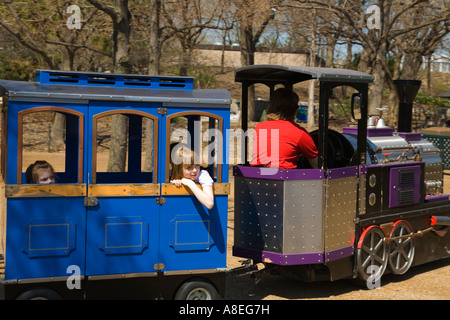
(291, 139)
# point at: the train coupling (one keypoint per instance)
(246, 268)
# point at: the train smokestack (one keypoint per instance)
(407, 91)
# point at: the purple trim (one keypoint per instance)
(410, 136)
(371, 132)
(343, 172)
(278, 174)
(363, 169)
(293, 259)
(395, 187)
(437, 198)
(350, 130)
(278, 258)
(339, 254)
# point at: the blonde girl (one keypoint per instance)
(186, 171)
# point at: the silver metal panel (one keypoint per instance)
(341, 201)
(397, 146)
(258, 214)
(434, 164)
(394, 145)
(389, 142)
(302, 232)
(362, 194)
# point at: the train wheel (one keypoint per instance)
(372, 254)
(197, 290)
(39, 293)
(401, 251)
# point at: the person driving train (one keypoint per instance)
(279, 141)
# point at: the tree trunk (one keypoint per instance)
(122, 39)
(119, 144)
(155, 38)
(57, 131)
(376, 89)
(312, 63)
(411, 66)
(149, 146)
(379, 72)
(248, 58)
(121, 18)
(185, 61)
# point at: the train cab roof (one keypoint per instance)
(85, 86)
(267, 73)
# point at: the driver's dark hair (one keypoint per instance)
(283, 105)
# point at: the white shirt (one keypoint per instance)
(204, 179)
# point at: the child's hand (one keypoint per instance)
(187, 182)
(177, 182)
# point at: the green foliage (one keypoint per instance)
(203, 77)
(14, 69)
(432, 101)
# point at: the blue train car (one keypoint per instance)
(112, 229)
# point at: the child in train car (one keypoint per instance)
(280, 128)
(186, 170)
(40, 172)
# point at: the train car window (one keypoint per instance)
(203, 133)
(124, 147)
(340, 150)
(54, 135)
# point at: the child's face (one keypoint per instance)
(46, 176)
(191, 172)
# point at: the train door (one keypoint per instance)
(193, 237)
(122, 214)
(45, 222)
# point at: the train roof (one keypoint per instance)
(84, 86)
(295, 74)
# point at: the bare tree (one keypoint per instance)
(411, 48)
(41, 27)
(253, 17)
(121, 18)
(187, 20)
(154, 46)
(376, 42)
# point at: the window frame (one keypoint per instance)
(195, 113)
(63, 110)
(125, 112)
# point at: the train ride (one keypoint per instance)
(374, 205)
